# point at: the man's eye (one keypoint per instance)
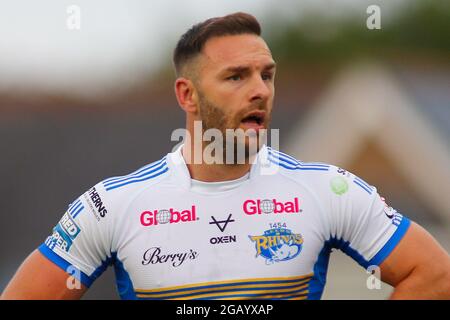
(267, 76)
(235, 77)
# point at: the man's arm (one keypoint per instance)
(418, 268)
(39, 278)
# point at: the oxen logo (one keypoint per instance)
(278, 245)
(222, 225)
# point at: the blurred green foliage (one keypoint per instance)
(420, 29)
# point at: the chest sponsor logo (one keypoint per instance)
(278, 244)
(222, 224)
(153, 218)
(269, 206)
(155, 255)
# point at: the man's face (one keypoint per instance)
(235, 83)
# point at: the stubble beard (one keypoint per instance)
(214, 117)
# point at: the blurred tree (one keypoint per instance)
(421, 28)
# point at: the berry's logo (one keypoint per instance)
(267, 206)
(164, 216)
(155, 255)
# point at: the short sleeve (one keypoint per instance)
(81, 239)
(361, 223)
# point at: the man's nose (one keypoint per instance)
(260, 89)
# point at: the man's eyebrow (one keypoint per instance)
(242, 69)
(270, 66)
(236, 69)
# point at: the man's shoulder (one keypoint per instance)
(291, 166)
(118, 190)
(320, 175)
(147, 175)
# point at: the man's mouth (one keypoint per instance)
(254, 120)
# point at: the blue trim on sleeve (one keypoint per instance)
(317, 283)
(345, 247)
(392, 242)
(369, 191)
(64, 264)
(123, 281)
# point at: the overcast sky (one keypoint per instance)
(119, 40)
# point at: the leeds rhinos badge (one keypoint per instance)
(278, 245)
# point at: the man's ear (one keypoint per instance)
(186, 95)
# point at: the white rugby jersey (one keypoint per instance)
(267, 235)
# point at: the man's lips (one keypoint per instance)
(254, 118)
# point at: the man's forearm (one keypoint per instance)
(423, 285)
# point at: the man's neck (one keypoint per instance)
(213, 172)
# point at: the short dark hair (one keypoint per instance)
(192, 42)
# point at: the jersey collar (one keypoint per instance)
(181, 175)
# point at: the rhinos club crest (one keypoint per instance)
(278, 245)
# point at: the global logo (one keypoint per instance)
(278, 245)
(268, 206)
(164, 216)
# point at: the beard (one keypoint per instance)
(215, 117)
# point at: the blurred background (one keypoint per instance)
(82, 102)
